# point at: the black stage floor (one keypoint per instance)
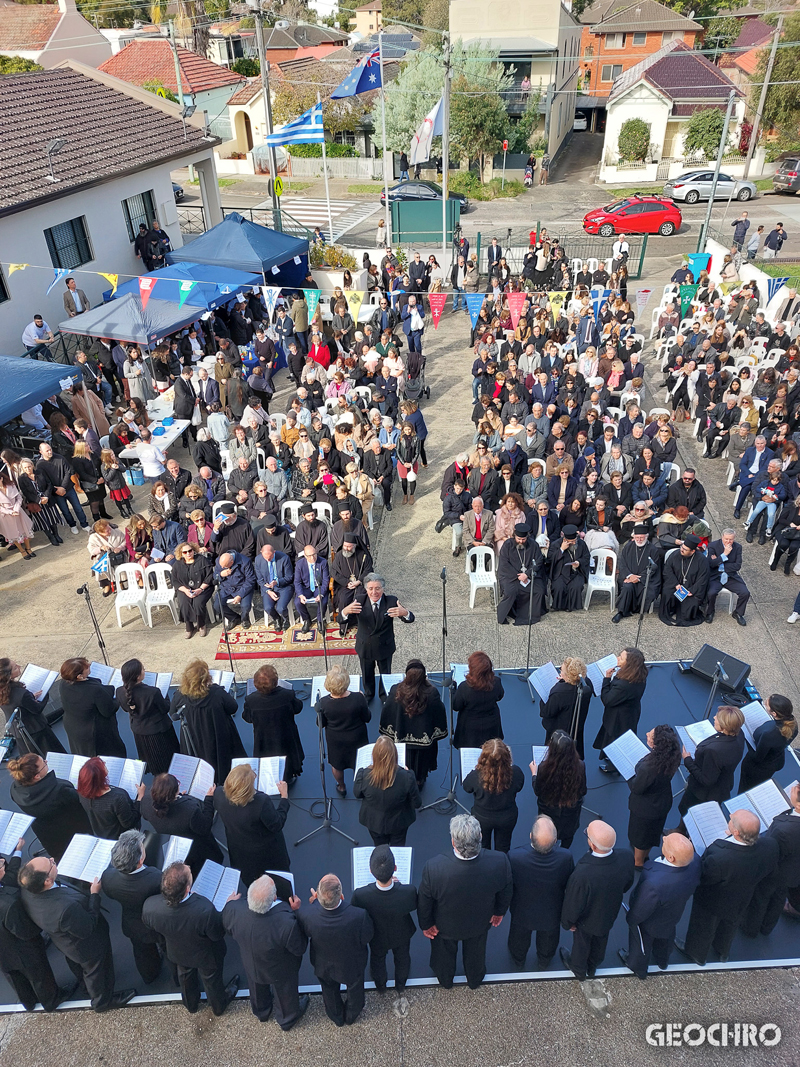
(670, 697)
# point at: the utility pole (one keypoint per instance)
(723, 141)
(255, 7)
(174, 48)
(387, 156)
(763, 98)
(445, 141)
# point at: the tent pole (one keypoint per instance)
(325, 172)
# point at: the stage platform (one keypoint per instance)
(671, 697)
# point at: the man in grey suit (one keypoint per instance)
(130, 882)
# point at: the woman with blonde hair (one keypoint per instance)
(253, 825)
(345, 716)
(388, 795)
(361, 488)
(495, 782)
(206, 712)
(715, 760)
(559, 711)
(107, 540)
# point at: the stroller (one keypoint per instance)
(528, 179)
(415, 387)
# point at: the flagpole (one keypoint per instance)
(325, 172)
(445, 145)
(385, 146)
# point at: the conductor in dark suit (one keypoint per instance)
(461, 895)
(195, 939)
(271, 943)
(540, 872)
(657, 903)
(76, 928)
(593, 898)
(731, 869)
(375, 642)
(130, 882)
(389, 904)
(770, 895)
(339, 935)
(184, 404)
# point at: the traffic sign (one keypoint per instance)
(278, 186)
(505, 146)
(162, 92)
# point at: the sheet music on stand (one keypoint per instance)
(391, 679)
(694, 733)
(542, 680)
(364, 756)
(705, 823)
(318, 687)
(161, 680)
(539, 753)
(102, 672)
(223, 678)
(125, 773)
(176, 850)
(755, 715)
(459, 672)
(13, 826)
(65, 765)
(284, 884)
(469, 760)
(86, 857)
(268, 770)
(596, 671)
(362, 875)
(626, 752)
(38, 680)
(194, 775)
(765, 800)
(216, 883)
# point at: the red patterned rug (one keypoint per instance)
(261, 643)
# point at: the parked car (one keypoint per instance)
(696, 185)
(786, 178)
(419, 190)
(177, 192)
(634, 214)
(580, 122)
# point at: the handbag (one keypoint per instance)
(410, 475)
(33, 509)
(680, 413)
(116, 559)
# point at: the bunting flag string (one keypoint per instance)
(312, 299)
(774, 286)
(354, 299)
(642, 299)
(16, 266)
(270, 294)
(474, 305)
(113, 278)
(556, 301)
(598, 299)
(146, 287)
(687, 296)
(698, 262)
(185, 288)
(515, 302)
(61, 272)
(437, 302)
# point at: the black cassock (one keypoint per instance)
(692, 573)
(567, 583)
(514, 559)
(359, 565)
(633, 560)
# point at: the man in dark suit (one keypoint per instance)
(275, 577)
(724, 564)
(271, 943)
(753, 463)
(730, 871)
(593, 898)
(494, 254)
(375, 642)
(207, 389)
(540, 872)
(657, 903)
(186, 399)
(339, 935)
(770, 895)
(311, 588)
(461, 895)
(389, 904)
(587, 334)
(76, 928)
(130, 882)
(195, 939)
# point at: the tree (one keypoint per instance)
(403, 11)
(634, 140)
(525, 134)
(17, 65)
(248, 68)
(478, 121)
(409, 98)
(435, 16)
(720, 34)
(704, 131)
(290, 99)
(159, 90)
(782, 107)
(703, 9)
(111, 13)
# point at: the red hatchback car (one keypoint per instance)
(634, 214)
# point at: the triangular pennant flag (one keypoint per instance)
(312, 299)
(16, 266)
(185, 288)
(146, 287)
(474, 305)
(113, 278)
(598, 299)
(687, 295)
(642, 299)
(354, 299)
(515, 302)
(270, 294)
(556, 301)
(437, 302)
(59, 274)
(774, 285)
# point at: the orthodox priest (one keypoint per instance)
(636, 557)
(685, 585)
(569, 570)
(521, 564)
(349, 567)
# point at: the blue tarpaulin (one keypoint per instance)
(27, 382)
(124, 320)
(215, 285)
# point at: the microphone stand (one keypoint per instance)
(84, 592)
(323, 632)
(225, 632)
(20, 733)
(719, 674)
(642, 607)
(327, 803)
(573, 732)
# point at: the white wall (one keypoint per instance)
(640, 103)
(75, 38)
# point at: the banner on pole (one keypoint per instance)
(687, 296)
(270, 294)
(515, 302)
(437, 302)
(185, 288)
(474, 305)
(146, 287)
(312, 299)
(556, 301)
(642, 299)
(354, 300)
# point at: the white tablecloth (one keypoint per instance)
(162, 441)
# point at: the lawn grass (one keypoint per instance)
(364, 188)
(296, 187)
(223, 183)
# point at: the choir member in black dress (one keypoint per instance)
(495, 782)
(622, 692)
(651, 792)
(153, 732)
(388, 795)
(559, 783)
(90, 712)
(207, 726)
(715, 760)
(193, 577)
(53, 802)
(414, 714)
(110, 809)
(169, 812)
(772, 739)
(520, 563)
(559, 711)
(15, 696)
(253, 825)
(477, 703)
(272, 710)
(685, 570)
(636, 556)
(569, 570)
(344, 716)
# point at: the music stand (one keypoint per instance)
(720, 674)
(21, 733)
(326, 801)
(573, 731)
(323, 632)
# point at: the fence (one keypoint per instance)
(357, 168)
(581, 246)
(192, 220)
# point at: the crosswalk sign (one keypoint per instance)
(278, 186)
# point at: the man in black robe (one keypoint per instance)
(569, 570)
(520, 564)
(684, 571)
(636, 557)
(351, 564)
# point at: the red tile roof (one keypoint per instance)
(679, 73)
(753, 32)
(26, 27)
(748, 61)
(247, 92)
(152, 61)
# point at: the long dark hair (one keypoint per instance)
(163, 791)
(666, 754)
(634, 669)
(414, 690)
(5, 680)
(131, 671)
(561, 774)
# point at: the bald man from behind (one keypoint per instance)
(593, 898)
(731, 869)
(657, 904)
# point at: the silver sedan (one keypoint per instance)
(696, 185)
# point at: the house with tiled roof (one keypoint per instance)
(368, 18)
(665, 90)
(740, 62)
(86, 159)
(50, 33)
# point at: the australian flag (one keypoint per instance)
(366, 76)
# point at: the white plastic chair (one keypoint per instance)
(279, 419)
(134, 595)
(616, 415)
(368, 514)
(163, 595)
(225, 463)
(672, 471)
(215, 508)
(772, 357)
(290, 509)
(363, 392)
(732, 597)
(730, 472)
(324, 512)
(484, 576)
(593, 265)
(655, 412)
(104, 441)
(671, 289)
(668, 554)
(575, 265)
(602, 581)
(290, 612)
(759, 347)
(261, 461)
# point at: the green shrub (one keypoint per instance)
(634, 140)
(468, 183)
(703, 132)
(333, 256)
(314, 151)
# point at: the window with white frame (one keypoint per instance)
(615, 41)
(639, 40)
(610, 71)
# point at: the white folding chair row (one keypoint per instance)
(363, 392)
(225, 463)
(163, 594)
(484, 576)
(604, 578)
(655, 316)
(278, 418)
(672, 471)
(133, 595)
(290, 509)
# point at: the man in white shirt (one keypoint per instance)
(620, 252)
(33, 417)
(35, 335)
(151, 458)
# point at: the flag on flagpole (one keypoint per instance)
(16, 266)
(60, 273)
(432, 126)
(113, 278)
(270, 294)
(312, 299)
(146, 287)
(185, 288)
(437, 302)
(366, 76)
(305, 129)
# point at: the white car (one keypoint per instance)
(580, 122)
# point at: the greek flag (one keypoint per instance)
(101, 566)
(306, 129)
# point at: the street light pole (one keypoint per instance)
(763, 98)
(281, 24)
(723, 141)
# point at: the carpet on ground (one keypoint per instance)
(260, 643)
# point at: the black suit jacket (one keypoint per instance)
(19, 934)
(131, 891)
(390, 911)
(657, 902)
(271, 945)
(339, 940)
(375, 633)
(732, 565)
(712, 768)
(390, 810)
(185, 397)
(72, 920)
(595, 890)
(461, 896)
(192, 930)
(731, 872)
(57, 811)
(785, 830)
(540, 879)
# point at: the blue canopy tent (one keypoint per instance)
(27, 382)
(214, 285)
(240, 244)
(125, 320)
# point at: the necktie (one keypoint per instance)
(271, 571)
(312, 579)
